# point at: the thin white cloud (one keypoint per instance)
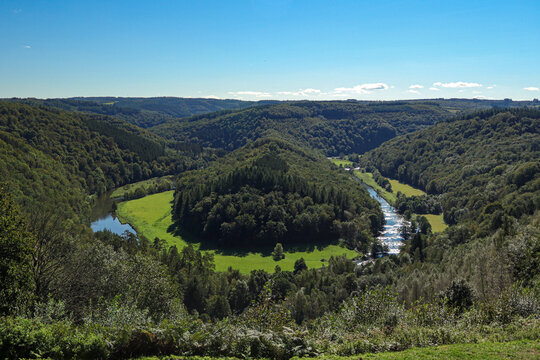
(457, 84)
(210, 97)
(491, 86)
(27, 47)
(301, 92)
(257, 94)
(434, 89)
(361, 89)
(531, 88)
(412, 91)
(416, 86)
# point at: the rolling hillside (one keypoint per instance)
(332, 127)
(271, 191)
(483, 166)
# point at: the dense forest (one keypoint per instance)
(271, 191)
(332, 127)
(483, 166)
(70, 293)
(52, 156)
(143, 112)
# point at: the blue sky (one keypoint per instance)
(271, 49)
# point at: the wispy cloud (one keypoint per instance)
(27, 47)
(531, 88)
(416, 86)
(361, 89)
(434, 89)
(491, 87)
(304, 92)
(457, 84)
(210, 97)
(412, 91)
(257, 94)
(16, 11)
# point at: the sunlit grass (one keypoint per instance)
(405, 189)
(151, 217)
(437, 222)
(341, 162)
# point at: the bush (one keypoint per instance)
(24, 338)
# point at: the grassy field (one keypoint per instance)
(407, 190)
(488, 350)
(341, 162)
(119, 192)
(437, 222)
(151, 217)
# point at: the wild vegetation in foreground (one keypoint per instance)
(523, 350)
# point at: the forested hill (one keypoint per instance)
(143, 112)
(55, 158)
(484, 166)
(176, 106)
(271, 191)
(333, 127)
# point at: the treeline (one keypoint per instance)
(333, 127)
(423, 204)
(143, 112)
(271, 192)
(483, 167)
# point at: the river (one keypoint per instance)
(104, 218)
(391, 235)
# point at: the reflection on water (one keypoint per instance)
(112, 224)
(103, 217)
(391, 235)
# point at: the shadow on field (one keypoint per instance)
(229, 251)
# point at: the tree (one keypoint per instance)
(300, 265)
(238, 296)
(278, 254)
(218, 307)
(15, 258)
(459, 295)
(52, 247)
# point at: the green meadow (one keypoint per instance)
(437, 222)
(405, 189)
(151, 217)
(480, 351)
(341, 162)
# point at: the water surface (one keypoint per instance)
(103, 217)
(391, 235)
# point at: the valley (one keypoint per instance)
(245, 221)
